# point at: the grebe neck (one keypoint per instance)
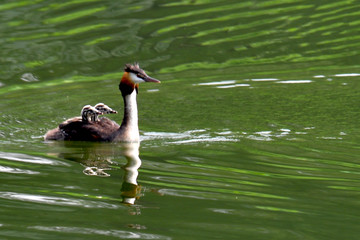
(129, 129)
(130, 119)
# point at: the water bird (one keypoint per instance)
(88, 113)
(106, 130)
(104, 109)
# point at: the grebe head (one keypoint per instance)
(89, 113)
(137, 75)
(133, 75)
(105, 109)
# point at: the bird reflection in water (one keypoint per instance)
(97, 159)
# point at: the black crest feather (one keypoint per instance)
(133, 68)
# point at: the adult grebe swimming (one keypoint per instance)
(106, 129)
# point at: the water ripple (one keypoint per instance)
(191, 136)
(42, 199)
(215, 83)
(110, 233)
(30, 159)
(347, 75)
(16, 170)
(74, 15)
(295, 81)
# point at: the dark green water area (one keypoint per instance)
(253, 132)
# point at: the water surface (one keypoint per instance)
(252, 134)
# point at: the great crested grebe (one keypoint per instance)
(106, 129)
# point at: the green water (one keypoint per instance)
(252, 134)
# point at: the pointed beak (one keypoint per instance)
(150, 79)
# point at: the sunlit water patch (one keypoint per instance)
(99, 232)
(4, 169)
(294, 81)
(192, 136)
(42, 199)
(18, 157)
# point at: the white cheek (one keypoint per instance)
(136, 79)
